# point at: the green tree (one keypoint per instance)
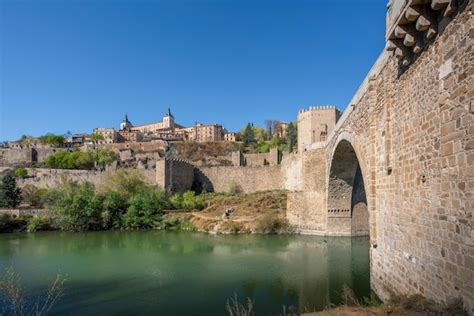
(248, 135)
(52, 140)
(145, 209)
(96, 137)
(292, 136)
(26, 140)
(80, 209)
(114, 206)
(10, 194)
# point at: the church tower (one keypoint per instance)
(126, 124)
(168, 120)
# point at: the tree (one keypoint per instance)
(145, 209)
(248, 135)
(10, 194)
(292, 136)
(52, 140)
(96, 137)
(26, 140)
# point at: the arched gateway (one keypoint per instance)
(347, 212)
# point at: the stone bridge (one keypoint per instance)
(399, 165)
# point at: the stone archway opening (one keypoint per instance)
(347, 212)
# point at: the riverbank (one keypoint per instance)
(260, 212)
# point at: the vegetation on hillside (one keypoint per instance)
(48, 139)
(80, 159)
(258, 140)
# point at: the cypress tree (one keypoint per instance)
(10, 194)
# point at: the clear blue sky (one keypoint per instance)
(72, 65)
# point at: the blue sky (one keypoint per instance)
(72, 65)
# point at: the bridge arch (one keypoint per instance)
(347, 203)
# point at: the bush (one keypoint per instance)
(79, 159)
(189, 201)
(145, 208)
(80, 209)
(21, 172)
(271, 224)
(38, 224)
(36, 197)
(114, 206)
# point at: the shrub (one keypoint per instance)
(79, 159)
(30, 195)
(145, 208)
(114, 206)
(176, 201)
(271, 224)
(188, 200)
(37, 224)
(21, 172)
(80, 209)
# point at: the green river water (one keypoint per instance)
(184, 273)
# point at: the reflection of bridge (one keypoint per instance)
(400, 162)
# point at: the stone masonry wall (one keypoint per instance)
(412, 132)
(173, 175)
(245, 179)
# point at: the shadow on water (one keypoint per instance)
(180, 273)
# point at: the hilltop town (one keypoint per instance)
(166, 135)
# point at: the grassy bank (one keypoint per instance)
(124, 201)
(260, 212)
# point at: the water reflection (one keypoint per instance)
(179, 273)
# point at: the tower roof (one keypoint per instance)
(169, 113)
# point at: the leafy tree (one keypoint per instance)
(114, 206)
(10, 194)
(104, 157)
(21, 172)
(188, 200)
(80, 209)
(145, 209)
(52, 140)
(79, 159)
(96, 137)
(26, 140)
(292, 136)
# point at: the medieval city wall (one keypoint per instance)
(173, 175)
(243, 179)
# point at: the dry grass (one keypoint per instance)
(250, 211)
